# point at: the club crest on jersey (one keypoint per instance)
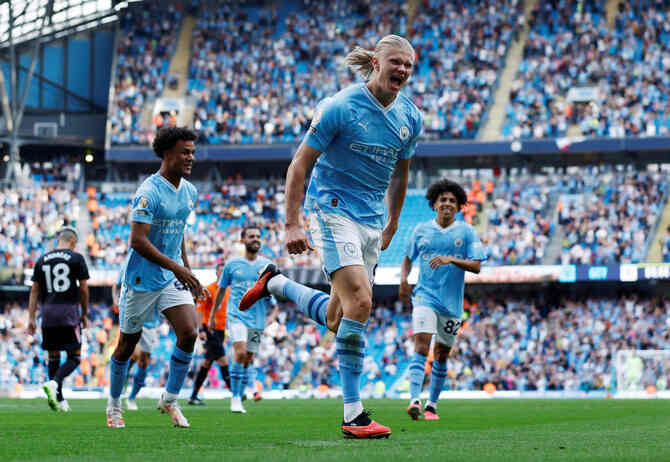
(404, 132)
(350, 249)
(143, 203)
(190, 204)
(458, 242)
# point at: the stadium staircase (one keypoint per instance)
(496, 118)
(655, 254)
(179, 67)
(180, 60)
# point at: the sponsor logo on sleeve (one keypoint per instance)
(404, 132)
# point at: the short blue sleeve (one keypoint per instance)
(144, 207)
(225, 277)
(326, 124)
(475, 248)
(412, 250)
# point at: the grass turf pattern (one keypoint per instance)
(309, 430)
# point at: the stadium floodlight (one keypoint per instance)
(641, 373)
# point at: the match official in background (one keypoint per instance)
(59, 285)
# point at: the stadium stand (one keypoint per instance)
(255, 78)
(147, 41)
(577, 72)
(514, 343)
(608, 216)
(30, 218)
(600, 215)
(461, 48)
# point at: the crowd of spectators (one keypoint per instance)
(605, 215)
(610, 215)
(461, 48)
(519, 221)
(513, 342)
(147, 39)
(578, 71)
(31, 216)
(257, 78)
(256, 74)
(526, 344)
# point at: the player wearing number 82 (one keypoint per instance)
(445, 248)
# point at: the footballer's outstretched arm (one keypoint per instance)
(141, 244)
(304, 158)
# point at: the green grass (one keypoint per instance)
(299, 430)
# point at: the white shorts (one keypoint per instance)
(427, 321)
(136, 307)
(343, 242)
(239, 332)
(149, 339)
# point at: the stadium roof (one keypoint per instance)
(66, 17)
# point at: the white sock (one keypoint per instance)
(169, 397)
(415, 401)
(430, 403)
(113, 402)
(352, 410)
(276, 285)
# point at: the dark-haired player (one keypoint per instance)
(157, 273)
(245, 327)
(59, 284)
(446, 249)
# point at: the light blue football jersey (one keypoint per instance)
(240, 274)
(166, 208)
(360, 143)
(442, 289)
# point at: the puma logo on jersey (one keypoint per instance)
(365, 126)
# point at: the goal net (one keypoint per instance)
(642, 371)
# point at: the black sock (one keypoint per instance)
(225, 374)
(54, 364)
(65, 370)
(199, 380)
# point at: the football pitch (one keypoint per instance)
(308, 430)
